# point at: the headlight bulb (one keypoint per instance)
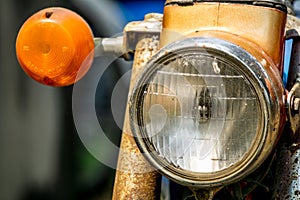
(202, 105)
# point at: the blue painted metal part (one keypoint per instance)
(287, 60)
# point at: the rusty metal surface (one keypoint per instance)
(137, 30)
(130, 181)
(135, 178)
(287, 182)
(293, 108)
(292, 27)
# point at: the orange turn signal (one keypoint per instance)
(55, 46)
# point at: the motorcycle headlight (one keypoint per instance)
(201, 114)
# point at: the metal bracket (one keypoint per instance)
(136, 31)
(133, 32)
(293, 104)
(292, 27)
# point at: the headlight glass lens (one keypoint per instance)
(199, 112)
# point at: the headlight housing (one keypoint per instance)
(205, 112)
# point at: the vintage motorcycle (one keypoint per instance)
(214, 95)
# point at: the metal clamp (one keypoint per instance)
(293, 103)
(122, 46)
(292, 27)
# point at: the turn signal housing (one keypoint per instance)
(55, 47)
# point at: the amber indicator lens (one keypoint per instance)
(55, 47)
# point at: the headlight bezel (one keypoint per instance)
(261, 81)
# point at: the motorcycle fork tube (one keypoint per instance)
(135, 178)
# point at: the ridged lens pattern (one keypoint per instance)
(199, 113)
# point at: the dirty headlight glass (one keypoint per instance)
(199, 113)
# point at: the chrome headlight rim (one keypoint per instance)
(252, 70)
